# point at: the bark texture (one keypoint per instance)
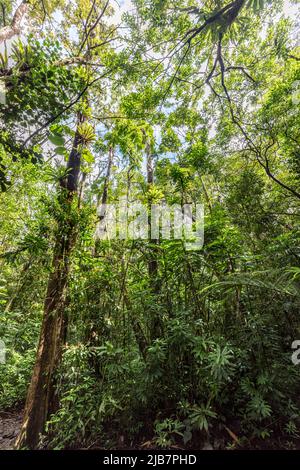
(7, 32)
(156, 324)
(41, 399)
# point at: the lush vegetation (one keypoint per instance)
(143, 342)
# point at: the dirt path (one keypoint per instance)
(10, 423)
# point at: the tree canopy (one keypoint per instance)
(129, 342)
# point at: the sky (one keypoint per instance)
(125, 6)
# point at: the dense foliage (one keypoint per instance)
(177, 102)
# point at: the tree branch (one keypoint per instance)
(8, 32)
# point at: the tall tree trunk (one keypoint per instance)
(92, 336)
(8, 32)
(136, 328)
(156, 326)
(102, 198)
(107, 177)
(41, 398)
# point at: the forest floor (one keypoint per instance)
(10, 423)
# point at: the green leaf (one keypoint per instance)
(60, 150)
(56, 139)
(88, 156)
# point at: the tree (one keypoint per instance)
(7, 32)
(184, 104)
(41, 400)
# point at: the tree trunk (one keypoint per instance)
(41, 398)
(101, 201)
(137, 329)
(156, 326)
(8, 32)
